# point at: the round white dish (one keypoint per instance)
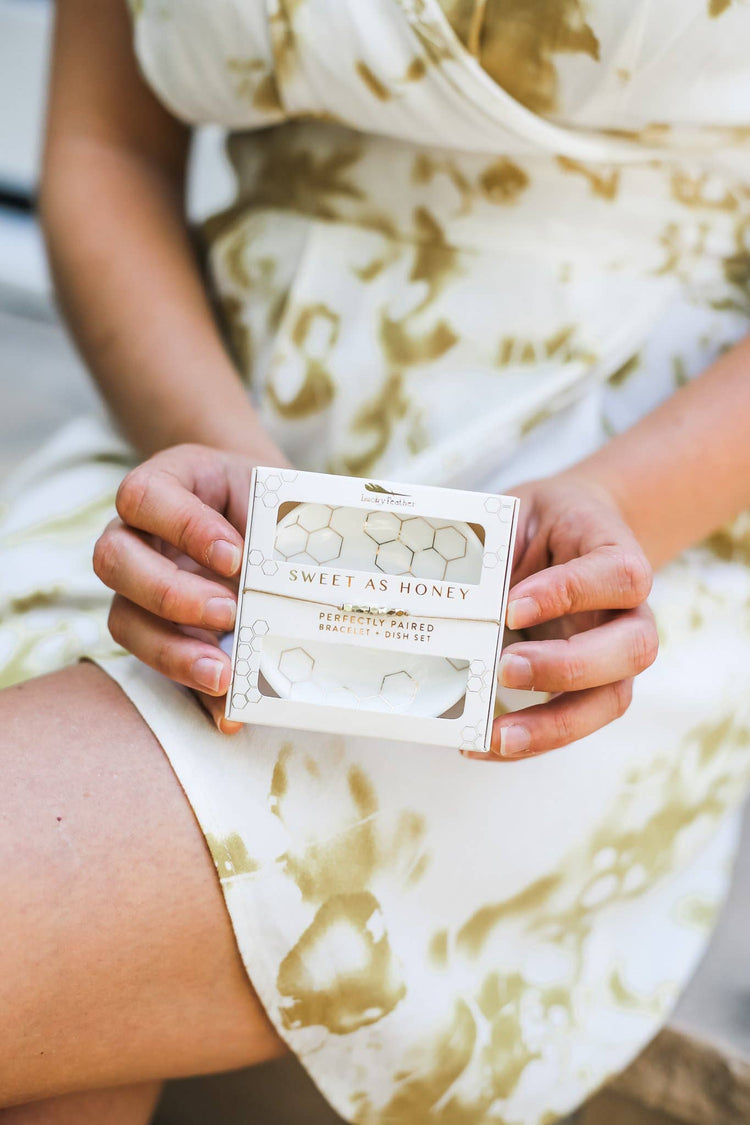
(379, 541)
(340, 675)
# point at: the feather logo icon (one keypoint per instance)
(370, 487)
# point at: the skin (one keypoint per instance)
(590, 539)
(118, 964)
(150, 357)
(125, 272)
(96, 1009)
(130, 1105)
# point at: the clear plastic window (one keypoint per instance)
(337, 674)
(379, 541)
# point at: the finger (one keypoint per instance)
(126, 563)
(186, 660)
(609, 577)
(564, 719)
(156, 501)
(620, 648)
(215, 707)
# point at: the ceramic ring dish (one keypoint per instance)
(344, 675)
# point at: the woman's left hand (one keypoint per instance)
(579, 587)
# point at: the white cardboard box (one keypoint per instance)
(371, 608)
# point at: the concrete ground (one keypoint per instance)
(41, 385)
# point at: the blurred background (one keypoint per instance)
(42, 384)
(40, 378)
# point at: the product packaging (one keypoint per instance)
(371, 608)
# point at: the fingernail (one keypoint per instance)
(522, 612)
(224, 556)
(514, 739)
(226, 726)
(208, 672)
(515, 672)
(219, 613)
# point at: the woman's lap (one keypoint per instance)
(401, 844)
(398, 908)
(118, 962)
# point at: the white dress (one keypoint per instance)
(472, 240)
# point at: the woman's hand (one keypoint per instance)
(173, 559)
(580, 583)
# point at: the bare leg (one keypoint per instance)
(130, 1105)
(117, 960)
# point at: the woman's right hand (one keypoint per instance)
(173, 559)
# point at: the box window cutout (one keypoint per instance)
(329, 673)
(379, 542)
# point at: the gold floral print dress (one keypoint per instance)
(472, 239)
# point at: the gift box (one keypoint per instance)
(371, 608)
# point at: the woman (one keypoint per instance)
(463, 253)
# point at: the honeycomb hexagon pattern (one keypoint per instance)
(450, 543)
(309, 536)
(379, 540)
(268, 487)
(292, 540)
(324, 545)
(427, 563)
(312, 517)
(394, 557)
(417, 533)
(422, 547)
(296, 665)
(245, 682)
(472, 737)
(383, 527)
(398, 689)
(328, 674)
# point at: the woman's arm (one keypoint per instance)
(589, 538)
(684, 469)
(112, 208)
